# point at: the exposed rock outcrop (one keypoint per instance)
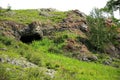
(75, 20)
(19, 62)
(22, 62)
(32, 32)
(11, 28)
(47, 9)
(79, 51)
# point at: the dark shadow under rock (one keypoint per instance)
(30, 38)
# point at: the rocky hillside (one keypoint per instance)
(43, 44)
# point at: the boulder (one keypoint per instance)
(81, 14)
(50, 72)
(19, 62)
(32, 32)
(47, 10)
(92, 58)
(107, 62)
(113, 50)
(109, 22)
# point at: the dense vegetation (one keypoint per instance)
(101, 35)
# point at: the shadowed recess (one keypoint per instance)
(30, 38)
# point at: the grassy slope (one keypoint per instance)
(67, 68)
(28, 16)
(37, 53)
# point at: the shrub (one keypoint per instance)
(100, 35)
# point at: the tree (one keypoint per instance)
(113, 5)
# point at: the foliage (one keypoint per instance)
(112, 5)
(100, 35)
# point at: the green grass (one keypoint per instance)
(82, 70)
(66, 68)
(28, 16)
(74, 69)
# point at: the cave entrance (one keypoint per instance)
(30, 38)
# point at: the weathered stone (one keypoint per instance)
(51, 72)
(85, 59)
(71, 22)
(106, 62)
(11, 28)
(47, 9)
(32, 32)
(110, 49)
(109, 22)
(19, 62)
(81, 14)
(3, 49)
(93, 58)
(8, 60)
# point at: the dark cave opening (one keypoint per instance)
(30, 38)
